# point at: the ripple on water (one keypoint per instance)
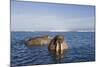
(81, 48)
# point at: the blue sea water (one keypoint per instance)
(81, 48)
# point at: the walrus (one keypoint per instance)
(36, 41)
(58, 45)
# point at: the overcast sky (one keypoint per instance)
(32, 16)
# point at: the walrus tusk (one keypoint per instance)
(58, 45)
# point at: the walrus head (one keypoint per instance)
(57, 45)
(59, 38)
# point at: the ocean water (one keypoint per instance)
(81, 48)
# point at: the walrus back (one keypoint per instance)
(38, 41)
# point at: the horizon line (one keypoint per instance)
(50, 31)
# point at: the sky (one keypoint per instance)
(35, 16)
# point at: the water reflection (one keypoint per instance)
(57, 58)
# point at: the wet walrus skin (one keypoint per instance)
(57, 45)
(36, 41)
